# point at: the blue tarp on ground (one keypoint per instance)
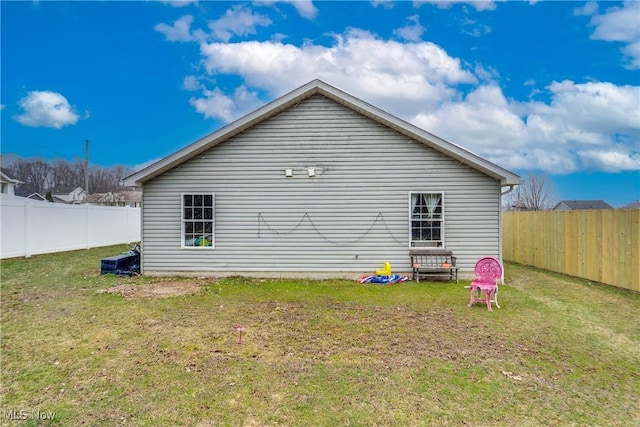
(383, 280)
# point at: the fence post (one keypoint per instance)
(127, 221)
(88, 225)
(27, 229)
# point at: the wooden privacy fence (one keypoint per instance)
(599, 245)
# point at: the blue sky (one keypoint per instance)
(536, 87)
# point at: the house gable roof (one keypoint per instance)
(582, 204)
(6, 178)
(36, 196)
(306, 91)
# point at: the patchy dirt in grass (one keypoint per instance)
(325, 331)
(155, 290)
(304, 334)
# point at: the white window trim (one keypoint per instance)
(442, 228)
(213, 222)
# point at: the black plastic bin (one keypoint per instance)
(121, 265)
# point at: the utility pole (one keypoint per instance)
(86, 167)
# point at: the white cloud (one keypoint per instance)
(411, 32)
(619, 24)
(479, 5)
(632, 51)
(180, 31)
(597, 107)
(192, 83)
(612, 160)
(481, 122)
(475, 29)
(590, 125)
(386, 4)
(588, 9)
(486, 74)
(239, 21)
(305, 8)
(179, 3)
(388, 73)
(46, 109)
(215, 104)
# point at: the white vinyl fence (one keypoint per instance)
(30, 227)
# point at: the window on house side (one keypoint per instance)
(197, 220)
(427, 220)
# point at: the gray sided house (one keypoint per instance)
(317, 184)
(578, 205)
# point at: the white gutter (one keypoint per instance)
(511, 188)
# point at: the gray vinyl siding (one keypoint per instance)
(358, 202)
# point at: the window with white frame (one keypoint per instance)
(427, 220)
(197, 220)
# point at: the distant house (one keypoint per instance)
(37, 196)
(8, 184)
(579, 205)
(33, 196)
(71, 195)
(100, 199)
(318, 183)
(131, 198)
(632, 205)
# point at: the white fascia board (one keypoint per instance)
(7, 178)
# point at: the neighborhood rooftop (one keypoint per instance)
(582, 205)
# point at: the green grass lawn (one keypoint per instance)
(560, 351)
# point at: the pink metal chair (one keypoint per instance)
(488, 271)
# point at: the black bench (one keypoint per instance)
(433, 263)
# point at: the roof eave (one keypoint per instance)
(10, 180)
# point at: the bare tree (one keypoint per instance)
(36, 174)
(42, 176)
(66, 174)
(101, 180)
(535, 193)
